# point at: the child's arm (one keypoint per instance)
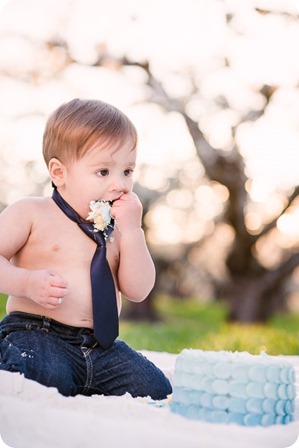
(42, 286)
(136, 273)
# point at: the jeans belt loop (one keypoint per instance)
(46, 324)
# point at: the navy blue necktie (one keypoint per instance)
(105, 314)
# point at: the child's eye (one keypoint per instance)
(103, 173)
(128, 172)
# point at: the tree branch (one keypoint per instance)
(282, 272)
(272, 224)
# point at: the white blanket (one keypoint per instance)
(34, 416)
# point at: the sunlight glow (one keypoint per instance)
(289, 224)
(253, 222)
(192, 51)
(3, 3)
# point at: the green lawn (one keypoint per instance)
(183, 324)
(2, 305)
(189, 324)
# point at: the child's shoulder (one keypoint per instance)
(28, 205)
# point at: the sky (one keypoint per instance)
(179, 38)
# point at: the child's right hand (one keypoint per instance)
(46, 288)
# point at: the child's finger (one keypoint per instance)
(57, 280)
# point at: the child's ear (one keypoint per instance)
(57, 172)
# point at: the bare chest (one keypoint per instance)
(58, 241)
(62, 243)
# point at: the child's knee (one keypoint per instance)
(153, 383)
(161, 388)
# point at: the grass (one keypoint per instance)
(190, 324)
(182, 324)
(2, 305)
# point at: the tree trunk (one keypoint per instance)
(141, 311)
(256, 294)
(249, 301)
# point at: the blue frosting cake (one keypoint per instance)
(233, 387)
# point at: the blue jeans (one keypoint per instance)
(70, 359)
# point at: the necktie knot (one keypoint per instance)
(88, 228)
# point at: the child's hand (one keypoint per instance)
(127, 212)
(46, 288)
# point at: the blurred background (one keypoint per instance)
(213, 89)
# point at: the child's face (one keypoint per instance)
(101, 174)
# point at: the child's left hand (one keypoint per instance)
(127, 212)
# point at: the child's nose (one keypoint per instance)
(118, 184)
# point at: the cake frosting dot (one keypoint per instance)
(220, 387)
(237, 405)
(291, 391)
(255, 389)
(254, 405)
(280, 407)
(222, 370)
(282, 391)
(240, 372)
(268, 419)
(220, 402)
(271, 390)
(284, 375)
(269, 405)
(206, 400)
(257, 373)
(237, 389)
(273, 374)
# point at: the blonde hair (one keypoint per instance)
(77, 125)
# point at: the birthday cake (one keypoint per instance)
(233, 387)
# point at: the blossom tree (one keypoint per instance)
(216, 84)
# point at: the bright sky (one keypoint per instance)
(177, 37)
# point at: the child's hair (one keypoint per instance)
(77, 125)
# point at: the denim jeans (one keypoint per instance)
(70, 359)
